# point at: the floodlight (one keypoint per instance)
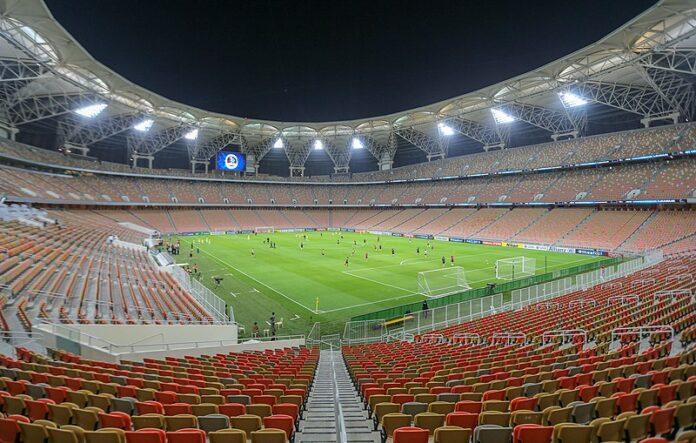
(445, 130)
(144, 125)
(91, 111)
(279, 143)
(357, 144)
(502, 116)
(571, 100)
(318, 145)
(192, 134)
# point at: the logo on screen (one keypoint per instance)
(231, 161)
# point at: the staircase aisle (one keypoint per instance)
(334, 412)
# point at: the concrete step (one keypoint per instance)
(334, 412)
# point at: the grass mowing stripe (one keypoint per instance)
(290, 280)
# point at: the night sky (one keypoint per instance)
(330, 60)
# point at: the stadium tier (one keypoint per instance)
(513, 265)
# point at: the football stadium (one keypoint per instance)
(515, 264)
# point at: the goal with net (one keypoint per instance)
(264, 229)
(515, 267)
(442, 282)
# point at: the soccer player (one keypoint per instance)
(253, 253)
(346, 262)
(322, 252)
(366, 256)
(443, 260)
(393, 251)
(301, 245)
(451, 260)
(418, 250)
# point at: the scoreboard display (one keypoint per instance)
(231, 161)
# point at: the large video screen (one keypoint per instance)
(231, 161)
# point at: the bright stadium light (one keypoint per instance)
(445, 130)
(279, 143)
(502, 116)
(571, 100)
(357, 144)
(192, 134)
(318, 145)
(91, 111)
(144, 125)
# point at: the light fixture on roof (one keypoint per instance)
(502, 116)
(279, 143)
(571, 100)
(91, 111)
(357, 143)
(144, 125)
(318, 145)
(445, 129)
(192, 134)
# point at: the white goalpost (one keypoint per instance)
(515, 267)
(442, 282)
(264, 229)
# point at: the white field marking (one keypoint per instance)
(259, 282)
(418, 293)
(370, 303)
(379, 282)
(232, 293)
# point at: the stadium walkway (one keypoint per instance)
(334, 412)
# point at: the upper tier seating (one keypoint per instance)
(656, 180)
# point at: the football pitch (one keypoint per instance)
(305, 279)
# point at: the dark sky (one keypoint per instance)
(327, 60)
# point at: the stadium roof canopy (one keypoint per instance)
(646, 67)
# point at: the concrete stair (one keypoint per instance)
(334, 412)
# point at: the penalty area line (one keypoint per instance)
(259, 282)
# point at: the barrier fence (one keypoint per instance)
(501, 288)
(419, 322)
(214, 304)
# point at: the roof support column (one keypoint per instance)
(196, 163)
(149, 158)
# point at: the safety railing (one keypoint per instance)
(78, 336)
(211, 302)
(421, 322)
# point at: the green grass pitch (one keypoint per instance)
(312, 284)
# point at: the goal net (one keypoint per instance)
(442, 282)
(264, 229)
(515, 267)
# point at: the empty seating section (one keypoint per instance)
(475, 222)
(156, 219)
(68, 272)
(608, 389)
(234, 397)
(422, 222)
(655, 180)
(601, 147)
(397, 219)
(606, 229)
(187, 220)
(617, 184)
(663, 228)
(510, 224)
(219, 219)
(675, 178)
(572, 185)
(553, 226)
